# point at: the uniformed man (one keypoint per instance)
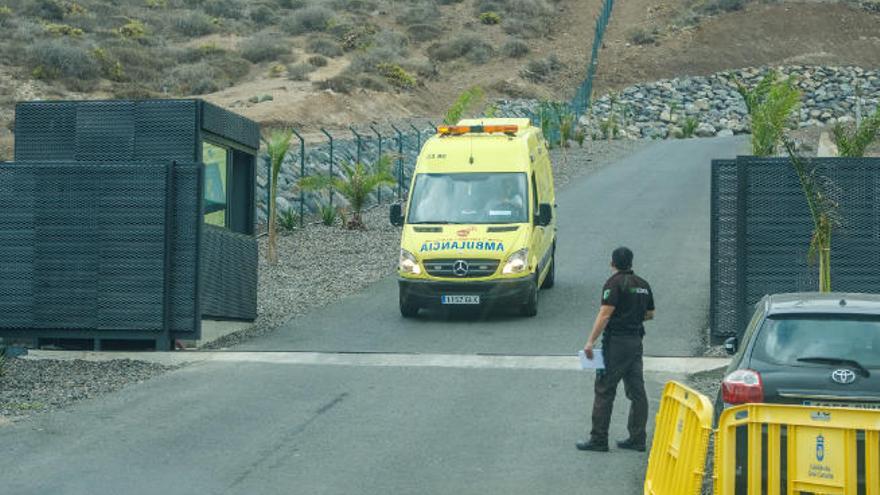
(627, 302)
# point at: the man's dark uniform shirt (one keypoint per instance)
(632, 298)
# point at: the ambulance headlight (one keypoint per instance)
(517, 263)
(408, 263)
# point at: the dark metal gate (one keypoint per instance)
(761, 230)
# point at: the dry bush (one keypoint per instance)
(541, 70)
(515, 48)
(263, 48)
(300, 71)
(317, 61)
(342, 83)
(424, 32)
(472, 48)
(192, 24)
(324, 46)
(308, 20)
(61, 59)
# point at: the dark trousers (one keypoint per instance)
(623, 361)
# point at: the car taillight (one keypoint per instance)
(742, 387)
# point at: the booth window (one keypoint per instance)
(216, 160)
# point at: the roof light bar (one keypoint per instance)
(458, 130)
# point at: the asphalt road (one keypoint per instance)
(264, 427)
(656, 201)
(290, 429)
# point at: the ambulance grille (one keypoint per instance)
(475, 268)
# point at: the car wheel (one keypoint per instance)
(530, 308)
(407, 309)
(550, 279)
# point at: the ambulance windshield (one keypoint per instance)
(470, 198)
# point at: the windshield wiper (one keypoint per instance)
(837, 361)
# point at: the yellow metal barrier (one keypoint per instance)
(774, 450)
(681, 437)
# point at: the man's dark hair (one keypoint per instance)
(622, 258)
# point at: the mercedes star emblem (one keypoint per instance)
(843, 376)
(460, 268)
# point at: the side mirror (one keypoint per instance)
(396, 215)
(545, 215)
(731, 345)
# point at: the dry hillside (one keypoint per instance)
(333, 62)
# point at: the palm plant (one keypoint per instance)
(277, 146)
(770, 105)
(357, 182)
(689, 127)
(823, 211)
(853, 142)
(468, 99)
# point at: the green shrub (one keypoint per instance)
(157, 4)
(207, 76)
(854, 141)
(515, 48)
(397, 76)
(263, 48)
(689, 127)
(579, 136)
(324, 46)
(59, 59)
(194, 24)
(62, 30)
(300, 72)
(288, 220)
(472, 48)
(6, 15)
(132, 91)
(466, 102)
(643, 36)
(308, 20)
(329, 214)
(541, 70)
(317, 61)
(133, 29)
(355, 37)
(490, 18)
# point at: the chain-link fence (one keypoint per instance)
(761, 232)
(313, 156)
(558, 119)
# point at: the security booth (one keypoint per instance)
(127, 220)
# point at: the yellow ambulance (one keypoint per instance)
(479, 226)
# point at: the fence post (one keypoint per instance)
(418, 138)
(268, 188)
(379, 157)
(302, 174)
(433, 126)
(331, 161)
(357, 137)
(399, 162)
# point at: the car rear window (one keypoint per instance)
(785, 338)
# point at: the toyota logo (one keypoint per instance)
(460, 268)
(843, 376)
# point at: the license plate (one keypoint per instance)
(873, 406)
(460, 299)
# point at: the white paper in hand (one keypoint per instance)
(597, 363)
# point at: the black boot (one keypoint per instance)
(631, 444)
(592, 446)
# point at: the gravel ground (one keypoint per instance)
(319, 265)
(29, 386)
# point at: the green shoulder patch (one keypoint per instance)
(606, 294)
